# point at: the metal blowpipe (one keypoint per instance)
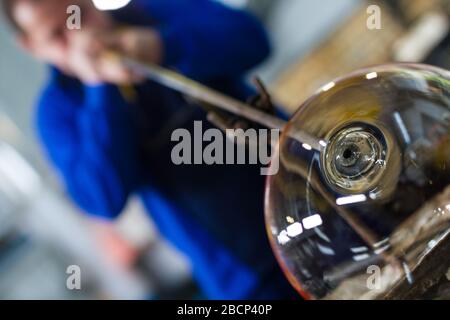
(202, 93)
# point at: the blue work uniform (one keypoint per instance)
(107, 146)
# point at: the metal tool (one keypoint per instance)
(202, 93)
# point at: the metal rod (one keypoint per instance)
(198, 91)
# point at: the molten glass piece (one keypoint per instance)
(368, 215)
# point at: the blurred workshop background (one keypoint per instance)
(41, 233)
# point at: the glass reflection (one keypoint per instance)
(367, 217)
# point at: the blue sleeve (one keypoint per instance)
(205, 39)
(91, 144)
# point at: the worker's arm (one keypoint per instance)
(90, 141)
(205, 39)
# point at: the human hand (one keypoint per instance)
(90, 62)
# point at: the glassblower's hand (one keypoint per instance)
(91, 63)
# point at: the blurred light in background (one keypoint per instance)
(235, 3)
(16, 172)
(110, 4)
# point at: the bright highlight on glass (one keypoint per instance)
(328, 86)
(371, 75)
(351, 199)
